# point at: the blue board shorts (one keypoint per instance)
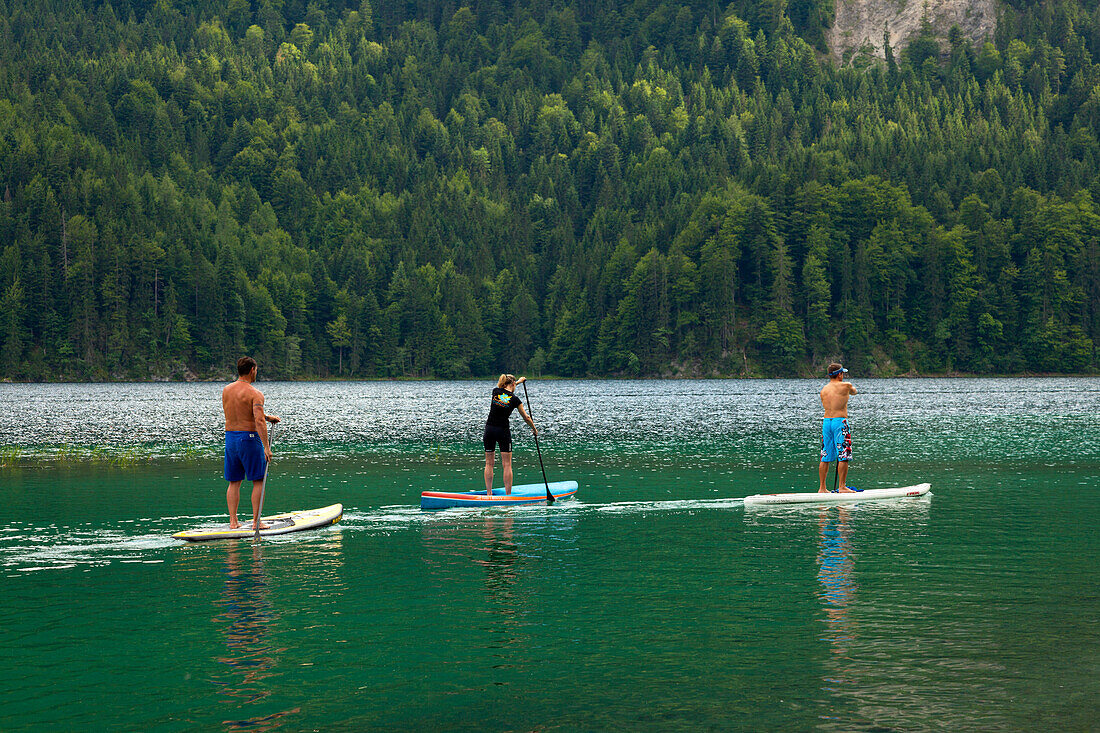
(836, 440)
(244, 456)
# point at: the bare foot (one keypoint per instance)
(262, 526)
(846, 490)
(823, 491)
(234, 524)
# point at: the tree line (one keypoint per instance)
(456, 189)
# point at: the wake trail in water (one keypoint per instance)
(27, 548)
(57, 548)
(667, 505)
(403, 515)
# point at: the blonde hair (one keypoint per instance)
(505, 379)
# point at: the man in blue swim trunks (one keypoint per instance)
(247, 448)
(836, 438)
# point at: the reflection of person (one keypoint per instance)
(499, 563)
(498, 431)
(250, 658)
(449, 549)
(836, 438)
(248, 612)
(837, 585)
(247, 447)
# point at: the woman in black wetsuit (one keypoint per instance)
(497, 430)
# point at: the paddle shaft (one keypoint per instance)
(527, 398)
(836, 477)
(263, 486)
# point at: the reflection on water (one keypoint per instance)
(872, 668)
(870, 562)
(487, 542)
(246, 608)
(249, 615)
(499, 556)
(499, 561)
(838, 587)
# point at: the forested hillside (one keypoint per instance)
(574, 188)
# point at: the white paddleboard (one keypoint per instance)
(278, 524)
(830, 498)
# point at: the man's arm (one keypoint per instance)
(260, 421)
(851, 388)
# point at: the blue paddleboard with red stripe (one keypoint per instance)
(520, 496)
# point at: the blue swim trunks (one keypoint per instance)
(244, 456)
(836, 440)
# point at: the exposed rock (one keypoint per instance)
(858, 27)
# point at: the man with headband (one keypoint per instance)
(836, 438)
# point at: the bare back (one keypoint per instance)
(834, 398)
(239, 400)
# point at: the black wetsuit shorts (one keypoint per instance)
(495, 434)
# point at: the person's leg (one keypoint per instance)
(234, 473)
(842, 470)
(828, 455)
(257, 492)
(506, 460)
(490, 457)
(233, 498)
(844, 454)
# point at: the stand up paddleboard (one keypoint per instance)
(278, 524)
(839, 498)
(521, 495)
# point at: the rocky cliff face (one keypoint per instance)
(858, 28)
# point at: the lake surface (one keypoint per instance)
(655, 601)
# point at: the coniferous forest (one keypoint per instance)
(456, 188)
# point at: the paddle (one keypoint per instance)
(263, 487)
(549, 496)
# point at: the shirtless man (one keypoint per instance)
(247, 448)
(836, 438)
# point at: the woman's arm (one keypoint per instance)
(527, 419)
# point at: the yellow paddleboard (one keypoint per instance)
(278, 524)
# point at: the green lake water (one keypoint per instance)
(654, 601)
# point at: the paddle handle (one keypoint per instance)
(549, 496)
